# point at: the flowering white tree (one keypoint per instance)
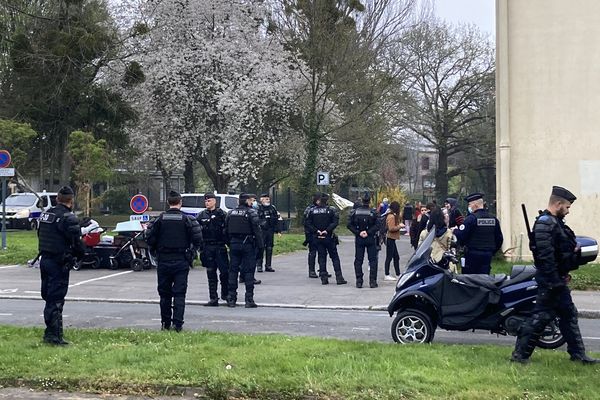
(217, 88)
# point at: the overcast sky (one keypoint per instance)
(479, 12)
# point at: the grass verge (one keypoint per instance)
(23, 246)
(221, 366)
(587, 277)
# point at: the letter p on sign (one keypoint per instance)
(322, 178)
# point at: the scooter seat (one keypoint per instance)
(484, 280)
(518, 274)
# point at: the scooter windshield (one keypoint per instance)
(423, 251)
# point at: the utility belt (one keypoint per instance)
(243, 239)
(215, 243)
(66, 259)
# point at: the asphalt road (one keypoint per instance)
(341, 324)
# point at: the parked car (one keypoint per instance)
(193, 203)
(24, 209)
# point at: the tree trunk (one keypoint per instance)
(188, 176)
(441, 175)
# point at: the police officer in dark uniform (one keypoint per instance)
(321, 221)
(59, 246)
(308, 238)
(363, 222)
(174, 236)
(268, 216)
(214, 253)
(556, 253)
(481, 235)
(242, 228)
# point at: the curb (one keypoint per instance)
(587, 314)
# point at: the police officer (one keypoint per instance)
(312, 246)
(555, 253)
(321, 221)
(59, 245)
(242, 228)
(364, 223)
(268, 216)
(174, 236)
(214, 253)
(480, 234)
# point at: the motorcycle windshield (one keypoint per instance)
(423, 251)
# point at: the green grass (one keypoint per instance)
(221, 366)
(23, 245)
(587, 277)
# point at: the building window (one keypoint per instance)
(425, 163)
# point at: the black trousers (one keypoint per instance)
(243, 263)
(478, 262)
(327, 246)
(214, 258)
(267, 252)
(391, 253)
(55, 284)
(370, 246)
(312, 255)
(551, 303)
(172, 288)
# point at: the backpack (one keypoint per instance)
(383, 228)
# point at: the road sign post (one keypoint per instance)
(322, 178)
(5, 161)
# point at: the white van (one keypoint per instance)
(193, 203)
(24, 209)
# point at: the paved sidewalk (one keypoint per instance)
(289, 286)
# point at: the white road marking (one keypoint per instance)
(361, 329)
(107, 317)
(2, 291)
(100, 278)
(9, 266)
(591, 338)
(5, 314)
(32, 291)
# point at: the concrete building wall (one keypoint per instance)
(548, 110)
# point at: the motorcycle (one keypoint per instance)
(429, 296)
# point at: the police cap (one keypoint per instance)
(209, 196)
(66, 190)
(563, 193)
(473, 197)
(265, 195)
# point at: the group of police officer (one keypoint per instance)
(174, 236)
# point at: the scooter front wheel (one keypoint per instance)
(552, 338)
(412, 326)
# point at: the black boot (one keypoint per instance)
(359, 283)
(257, 281)
(61, 338)
(164, 326)
(212, 303)
(584, 359)
(259, 268)
(312, 273)
(339, 279)
(231, 301)
(373, 284)
(250, 301)
(324, 280)
(269, 269)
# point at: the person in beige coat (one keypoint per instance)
(393, 223)
(443, 236)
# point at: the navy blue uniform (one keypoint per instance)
(59, 244)
(173, 236)
(481, 235)
(325, 219)
(269, 226)
(366, 219)
(214, 253)
(312, 247)
(554, 250)
(243, 232)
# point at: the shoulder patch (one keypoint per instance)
(461, 227)
(47, 217)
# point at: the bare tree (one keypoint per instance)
(447, 95)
